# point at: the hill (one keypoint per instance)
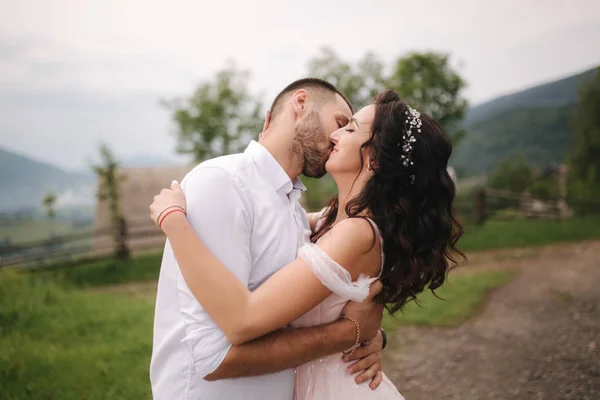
(535, 123)
(24, 181)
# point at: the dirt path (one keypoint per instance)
(537, 338)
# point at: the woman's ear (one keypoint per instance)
(372, 163)
(375, 165)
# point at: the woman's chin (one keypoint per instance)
(329, 166)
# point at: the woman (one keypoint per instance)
(392, 220)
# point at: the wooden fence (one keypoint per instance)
(85, 246)
(142, 236)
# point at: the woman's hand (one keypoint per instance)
(167, 202)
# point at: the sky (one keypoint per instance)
(75, 73)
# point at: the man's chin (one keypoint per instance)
(315, 172)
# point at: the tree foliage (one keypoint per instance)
(427, 82)
(359, 82)
(584, 157)
(49, 201)
(512, 174)
(109, 180)
(109, 185)
(219, 118)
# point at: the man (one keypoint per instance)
(245, 208)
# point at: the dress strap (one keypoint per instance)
(380, 242)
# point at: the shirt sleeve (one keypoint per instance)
(219, 212)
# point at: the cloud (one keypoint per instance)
(74, 72)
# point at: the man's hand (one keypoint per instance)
(369, 315)
(370, 362)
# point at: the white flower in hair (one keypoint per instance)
(412, 125)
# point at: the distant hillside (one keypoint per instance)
(144, 161)
(535, 123)
(24, 182)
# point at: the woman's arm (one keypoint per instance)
(288, 294)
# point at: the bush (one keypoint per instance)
(545, 188)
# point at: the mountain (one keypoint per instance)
(535, 123)
(24, 182)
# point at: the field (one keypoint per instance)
(34, 230)
(458, 300)
(60, 342)
(496, 234)
(85, 332)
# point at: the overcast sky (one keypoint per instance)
(77, 72)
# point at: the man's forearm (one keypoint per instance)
(284, 349)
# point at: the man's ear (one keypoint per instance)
(267, 120)
(267, 123)
(299, 101)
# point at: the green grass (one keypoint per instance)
(528, 232)
(65, 343)
(59, 343)
(35, 229)
(461, 296)
(106, 272)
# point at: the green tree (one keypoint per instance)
(49, 202)
(318, 193)
(427, 82)
(219, 118)
(109, 180)
(359, 82)
(512, 174)
(584, 157)
(545, 187)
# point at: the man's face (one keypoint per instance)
(312, 135)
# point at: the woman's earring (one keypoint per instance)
(369, 166)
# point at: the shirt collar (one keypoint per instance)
(272, 170)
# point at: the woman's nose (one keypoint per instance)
(335, 135)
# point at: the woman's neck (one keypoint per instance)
(348, 188)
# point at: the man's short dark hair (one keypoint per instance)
(306, 83)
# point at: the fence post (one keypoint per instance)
(480, 206)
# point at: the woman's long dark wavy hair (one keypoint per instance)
(416, 217)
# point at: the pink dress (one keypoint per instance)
(327, 378)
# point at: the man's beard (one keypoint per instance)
(307, 138)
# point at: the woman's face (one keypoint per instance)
(346, 155)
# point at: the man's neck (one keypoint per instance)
(283, 154)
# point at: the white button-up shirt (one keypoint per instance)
(245, 208)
